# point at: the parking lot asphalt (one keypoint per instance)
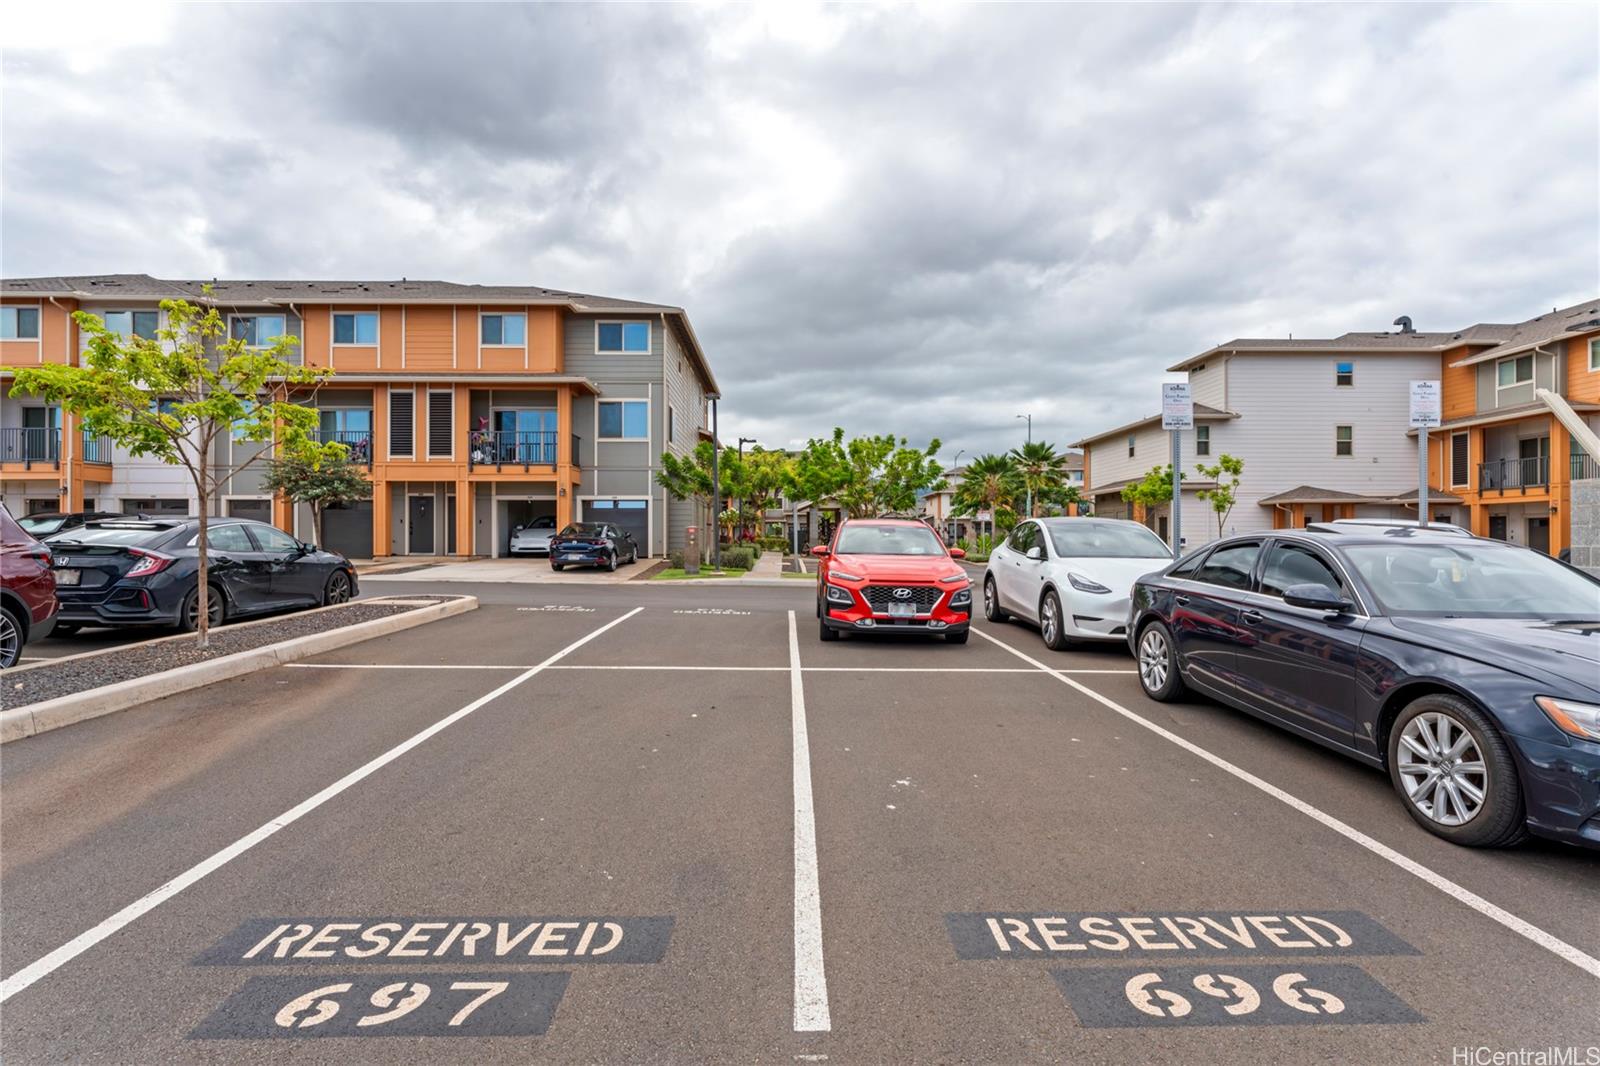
(646, 824)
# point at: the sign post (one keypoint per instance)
(1177, 415)
(1427, 409)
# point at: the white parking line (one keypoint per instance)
(1588, 963)
(649, 666)
(144, 904)
(810, 981)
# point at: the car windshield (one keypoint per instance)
(1478, 580)
(857, 539)
(40, 526)
(129, 534)
(1106, 540)
(583, 529)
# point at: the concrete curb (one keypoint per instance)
(30, 719)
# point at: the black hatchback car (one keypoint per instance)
(592, 544)
(1468, 669)
(131, 571)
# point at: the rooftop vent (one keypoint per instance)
(1404, 322)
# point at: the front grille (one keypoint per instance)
(879, 597)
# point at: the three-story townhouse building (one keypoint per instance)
(474, 408)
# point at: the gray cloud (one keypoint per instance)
(912, 220)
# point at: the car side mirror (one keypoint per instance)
(1316, 597)
(1035, 553)
(516, 529)
(958, 553)
(819, 550)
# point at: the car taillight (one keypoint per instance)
(40, 552)
(149, 562)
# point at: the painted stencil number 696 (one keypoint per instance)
(1145, 994)
(393, 1001)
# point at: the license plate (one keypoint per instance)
(902, 610)
(69, 577)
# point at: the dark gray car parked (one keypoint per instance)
(132, 571)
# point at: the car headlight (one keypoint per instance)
(1083, 584)
(840, 596)
(952, 579)
(962, 597)
(1581, 720)
(842, 576)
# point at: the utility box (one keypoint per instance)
(691, 550)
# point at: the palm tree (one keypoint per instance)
(991, 483)
(1041, 469)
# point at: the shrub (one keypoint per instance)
(773, 544)
(675, 559)
(739, 558)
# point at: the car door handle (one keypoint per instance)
(1252, 617)
(1181, 600)
(225, 560)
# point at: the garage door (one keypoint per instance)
(631, 515)
(347, 529)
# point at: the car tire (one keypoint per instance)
(65, 629)
(1157, 656)
(991, 602)
(611, 564)
(10, 638)
(1053, 623)
(216, 608)
(956, 638)
(826, 632)
(557, 567)
(337, 590)
(1447, 731)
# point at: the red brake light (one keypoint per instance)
(149, 562)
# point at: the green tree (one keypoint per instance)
(321, 481)
(991, 483)
(1152, 490)
(1061, 496)
(766, 474)
(867, 475)
(1042, 470)
(1227, 475)
(688, 477)
(178, 396)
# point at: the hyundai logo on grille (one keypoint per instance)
(902, 594)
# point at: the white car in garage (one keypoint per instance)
(1071, 577)
(533, 538)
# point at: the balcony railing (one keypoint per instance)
(504, 447)
(357, 442)
(1584, 466)
(96, 449)
(1523, 474)
(31, 445)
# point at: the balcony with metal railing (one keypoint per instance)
(1502, 475)
(1584, 466)
(357, 442)
(31, 446)
(96, 449)
(500, 448)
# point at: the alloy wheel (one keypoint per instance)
(1153, 656)
(338, 588)
(10, 640)
(1048, 622)
(1442, 769)
(213, 611)
(988, 598)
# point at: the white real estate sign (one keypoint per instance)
(1427, 407)
(1177, 406)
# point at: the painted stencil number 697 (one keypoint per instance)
(392, 1001)
(1145, 993)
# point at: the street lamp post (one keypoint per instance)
(716, 486)
(1030, 441)
(742, 442)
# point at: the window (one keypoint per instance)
(622, 337)
(1202, 441)
(360, 327)
(273, 539)
(671, 435)
(352, 420)
(508, 330)
(19, 323)
(257, 331)
(229, 539)
(1022, 538)
(1295, 564)
(1344, 440)
(441, 416)
(402, 423)
(1509, 373)
(1344, 373)
(1594, 354)
(127, 324)
(1459, 464)
(1230, 566)
(1133, 441)
(624, 420)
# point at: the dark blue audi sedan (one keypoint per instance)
(1467, 669)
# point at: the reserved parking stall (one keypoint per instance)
(609, 826)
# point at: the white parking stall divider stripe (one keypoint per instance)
(1583, 961)
(46, 965)
(810, 981)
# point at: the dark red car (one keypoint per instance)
(892, 575)
(27, 590)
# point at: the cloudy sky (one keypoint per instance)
(919, 220)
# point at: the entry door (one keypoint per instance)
(39, 439)
(419, 512)
(1539, 534)
(1497, 527)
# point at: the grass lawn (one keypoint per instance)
(670, 574)
(800, 577)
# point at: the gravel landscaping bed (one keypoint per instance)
(47, 681)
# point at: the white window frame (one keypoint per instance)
(377, 335)
(671, 418)
(1133, 444)
(1533, 371)
(621, 440)
(261, 314)
(1337, 374)
(1352, 441)
(39, 309)
(649, 336)
(1450, 459)
(1594, 355)
(130, 312)
(1198, 441)
(503, 314)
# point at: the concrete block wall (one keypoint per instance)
(1586, 524)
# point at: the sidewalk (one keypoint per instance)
(769, 565)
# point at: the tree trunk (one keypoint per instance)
(316, 521)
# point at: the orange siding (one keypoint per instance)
(544, 341)
(428, 342)
(467, 336)
(389, 331)
(57, 335)
(1460, 384)
(1583, 384)
(317, 335)
(496, 357)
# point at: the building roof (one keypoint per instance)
(1202, 413)
(1535, 409)
(1316, 494)
(1559, 324)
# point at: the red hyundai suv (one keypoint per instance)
(27, 590)
(891, 575)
